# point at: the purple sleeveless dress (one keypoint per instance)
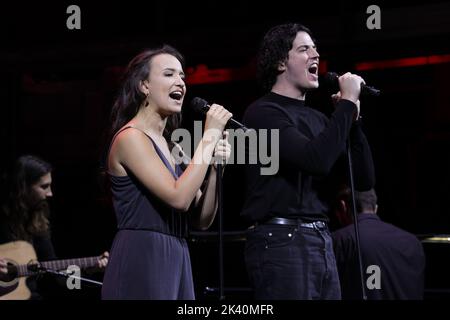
(149, 257)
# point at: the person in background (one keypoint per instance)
(398, 254)
(24, 215)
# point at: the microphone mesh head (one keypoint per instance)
(199, 104)
(331, 77)
(332, 80)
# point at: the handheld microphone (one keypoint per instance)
(202, 106)
(333, 78)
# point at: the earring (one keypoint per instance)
(146, 101)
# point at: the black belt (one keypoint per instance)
(297, 222)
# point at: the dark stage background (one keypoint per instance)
(57, 87)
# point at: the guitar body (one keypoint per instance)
(20, 255)
(17, 253)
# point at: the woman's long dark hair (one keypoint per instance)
(23, 220)
(130, 97)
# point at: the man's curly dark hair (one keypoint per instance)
(274, 49)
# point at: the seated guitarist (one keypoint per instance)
(24, 213)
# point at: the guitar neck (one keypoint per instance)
(58, 265)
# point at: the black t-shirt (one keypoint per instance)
(310, 145)
(42, 244)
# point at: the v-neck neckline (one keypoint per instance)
(164, 159)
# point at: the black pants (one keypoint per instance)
(291, 262)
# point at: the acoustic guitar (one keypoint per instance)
(22, 263)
